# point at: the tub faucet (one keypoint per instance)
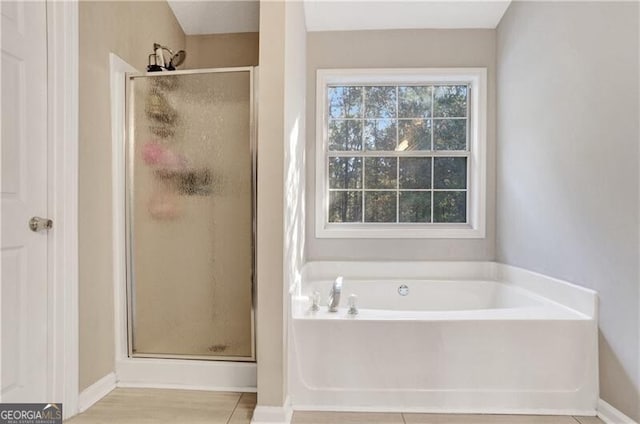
(334, 295)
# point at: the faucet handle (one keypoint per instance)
(315, 301)
(353, 308)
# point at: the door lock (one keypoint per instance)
(40, 224)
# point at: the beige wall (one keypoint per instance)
(567, 164)
(400, 49)
(222, 50)
(129, 30)
(270, 310)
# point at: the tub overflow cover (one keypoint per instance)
(403, 290)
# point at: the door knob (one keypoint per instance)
(40, 224)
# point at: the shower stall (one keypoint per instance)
(190, 214)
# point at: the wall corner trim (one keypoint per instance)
(611, 415)
(118, 69)
(62, 161)
(273, 414)
(92, 394)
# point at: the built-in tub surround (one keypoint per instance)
(468, 337)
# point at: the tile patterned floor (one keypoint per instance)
(367, 418)
(156, 406)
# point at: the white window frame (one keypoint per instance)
(476, 185)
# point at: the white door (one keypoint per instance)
(23, 291)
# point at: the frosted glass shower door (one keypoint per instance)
(190, 214)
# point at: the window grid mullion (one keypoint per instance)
(363, 189)
(444, 118)
(392, 153)
(402, 190)
(433, 130)
(397, 157)
(362, 148)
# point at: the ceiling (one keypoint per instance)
(227, 16)
(349, 15)
(217, 17)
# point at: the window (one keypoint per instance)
(401, 153)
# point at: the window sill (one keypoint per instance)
(399, 231)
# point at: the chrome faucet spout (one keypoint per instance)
(334, 295)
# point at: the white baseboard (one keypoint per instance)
(273, 414)
(96, 391)
(186, 375)
(177, 386)
(448, 411)
(611, 415)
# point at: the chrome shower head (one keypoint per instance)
(178, 58)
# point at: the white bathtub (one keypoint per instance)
(469, 337)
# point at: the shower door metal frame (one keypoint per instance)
(129, 227)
